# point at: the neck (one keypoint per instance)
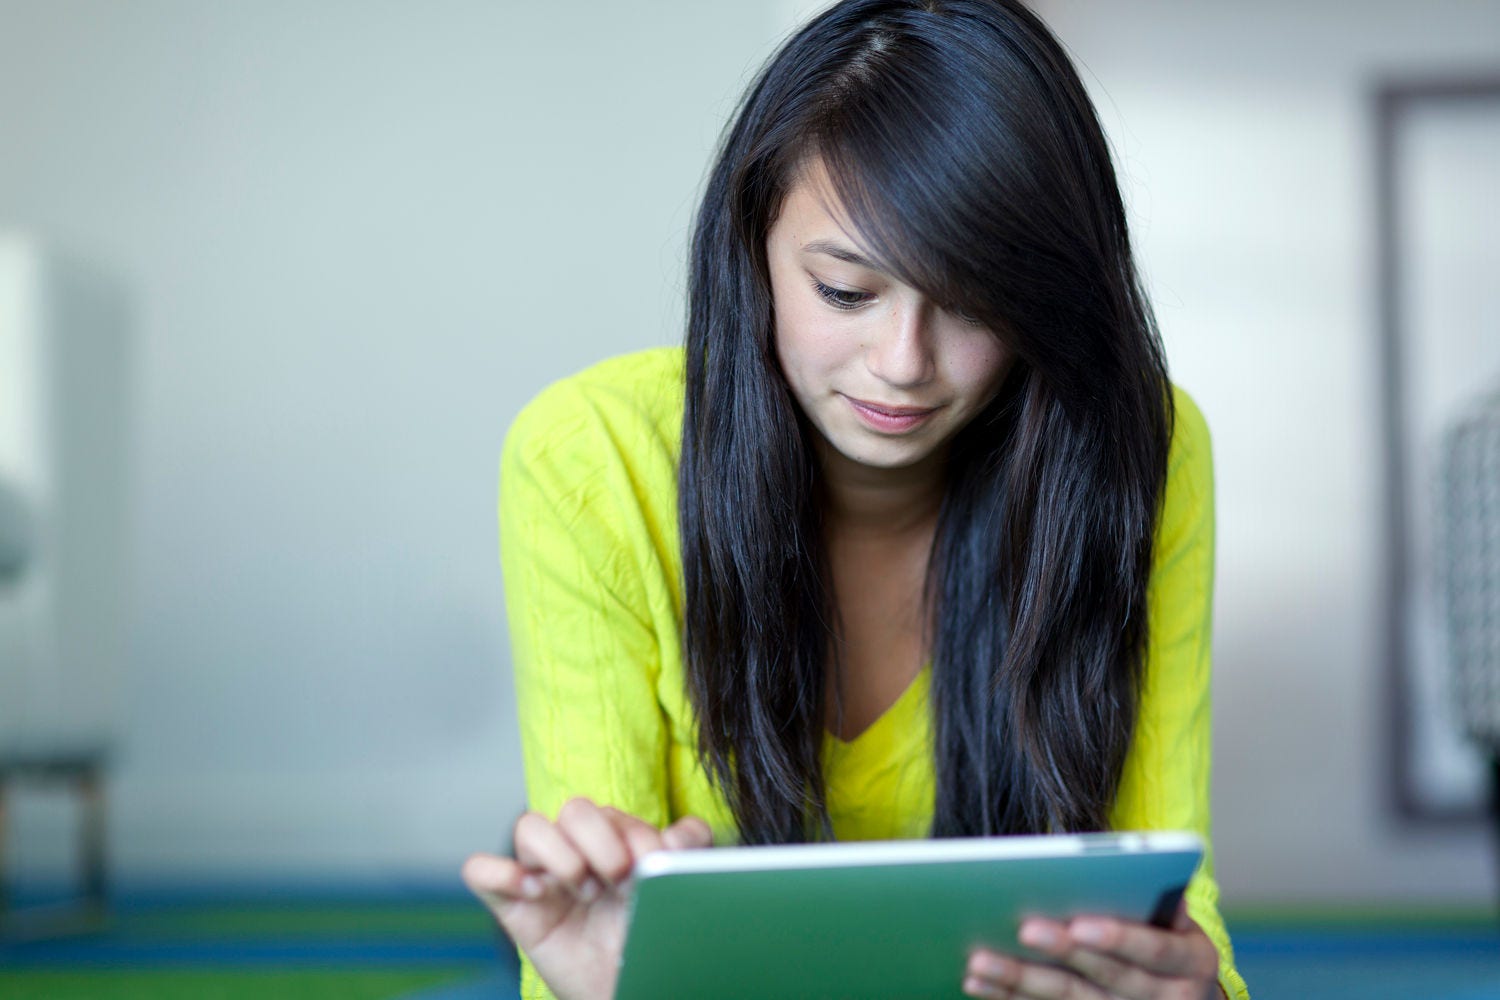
(884, 502)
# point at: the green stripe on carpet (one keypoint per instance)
(405, 921)
(1371, 916)
(320, 984)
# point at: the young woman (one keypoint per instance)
(914, 538)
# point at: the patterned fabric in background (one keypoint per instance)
(1469, 565)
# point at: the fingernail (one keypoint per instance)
(989, 965)
(1040, 936)
(1089, 932)
(977, 988)
(531, 887)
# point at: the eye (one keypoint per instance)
(840, 298)
(966, 317)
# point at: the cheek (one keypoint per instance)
(805, 345)
(979, 364)
(788, 350)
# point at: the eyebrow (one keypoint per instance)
(840, 252)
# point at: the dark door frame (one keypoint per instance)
(1394, 103)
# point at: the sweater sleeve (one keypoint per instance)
(585, 654)
(1165, 784)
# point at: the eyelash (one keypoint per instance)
(835, 296)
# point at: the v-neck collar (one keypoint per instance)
(901, 710)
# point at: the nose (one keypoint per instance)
(901, 354)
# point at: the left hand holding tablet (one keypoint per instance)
(561, 898)
(1104, 959)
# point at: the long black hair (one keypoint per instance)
(964, 147)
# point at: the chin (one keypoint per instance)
(887, 458)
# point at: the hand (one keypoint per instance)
(562, 898)
(1104, 958)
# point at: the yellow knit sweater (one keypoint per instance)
(593, 584)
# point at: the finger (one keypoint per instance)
(1173, 953)
(1183, 922)
(543, 847)
(1047, 936)
(499, 880)
(641, 838)
(1119, 979)
(597, 838)
(526, 905)
(688, 832)
(990, 974)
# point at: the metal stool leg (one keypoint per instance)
(91, 836)
(1495, 802)
(4, 879)
(83, 775)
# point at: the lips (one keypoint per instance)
(889, 418)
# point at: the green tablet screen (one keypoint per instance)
(876, 921)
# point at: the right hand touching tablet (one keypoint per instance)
(561, 900)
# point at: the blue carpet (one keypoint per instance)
(1295, 958)
(1384, 963)
(91, 953)
(1373, 978)
(1309, 963)
(496, 986)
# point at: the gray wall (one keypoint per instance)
(1245, 140)
(357, 237)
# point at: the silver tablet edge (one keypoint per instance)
(906, 852)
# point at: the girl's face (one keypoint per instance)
(885, 375)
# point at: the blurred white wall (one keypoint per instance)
(1244, 137)
(358, 237)
(65, 419)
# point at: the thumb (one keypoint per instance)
(1183, 922)
(688, 832)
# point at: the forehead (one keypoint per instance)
(811, 208)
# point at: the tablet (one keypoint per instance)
(878, 919)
